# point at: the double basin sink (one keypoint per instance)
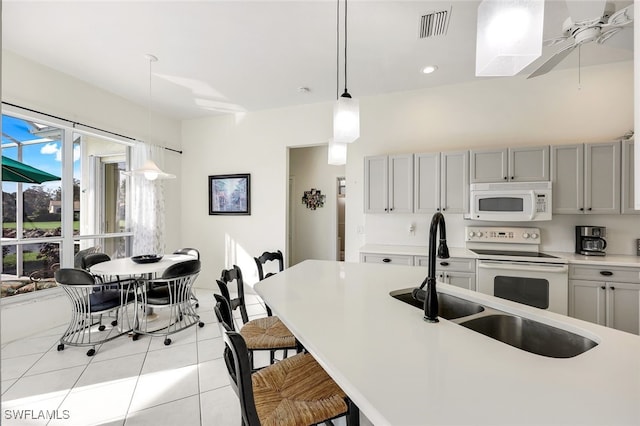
(523, 333)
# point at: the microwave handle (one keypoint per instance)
(533, 205)
(559, 269)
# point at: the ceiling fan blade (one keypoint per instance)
(622, 17)
(581, 10)
(553, 61)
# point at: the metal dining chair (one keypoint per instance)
(91, 298)
(172, 291)
(189, 251)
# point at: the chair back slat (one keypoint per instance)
(188, 267)
(93, 259)
(188, 251)
(236, 358)
(223, 312)
(265, 257)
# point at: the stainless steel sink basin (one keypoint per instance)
(449, 307)
(531, 336)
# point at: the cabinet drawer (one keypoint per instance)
(459, 264)
(394, 259)
(604, 273)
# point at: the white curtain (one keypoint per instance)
(147, 203)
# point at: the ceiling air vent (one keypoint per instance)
(434, 24)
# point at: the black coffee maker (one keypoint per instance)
(590, 240)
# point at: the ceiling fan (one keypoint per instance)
(588, 22)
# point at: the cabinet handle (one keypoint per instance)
(589, 209)
(443, 209)
(386, 260)
(391, 209)
(581, 209)
(612, 288)
(603, 288)
(512, 178)
(505, 178)
(606, 273)
(386, 209)
(444, 263)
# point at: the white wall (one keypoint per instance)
(43, 89)
(314, 231)
(551, 109)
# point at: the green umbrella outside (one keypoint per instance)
(15, 171)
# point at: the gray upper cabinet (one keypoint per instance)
(521, 164)
(627, 178)
(586, 178)
(388, 182)
(442, 182)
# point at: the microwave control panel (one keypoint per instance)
(541, 203)
(494, 234)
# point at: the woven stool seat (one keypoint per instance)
(267, 333)
(296, 391)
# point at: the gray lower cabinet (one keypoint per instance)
(627, 178)
(606, 296)
(457, 271)
(585, 178)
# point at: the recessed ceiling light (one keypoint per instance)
(429, 69)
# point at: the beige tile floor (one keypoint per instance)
(126, 382)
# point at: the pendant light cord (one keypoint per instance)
(337, 49)
(345, 46)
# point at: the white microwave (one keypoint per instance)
(510, 201)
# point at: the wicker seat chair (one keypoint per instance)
(90, 297)
(227, 277)
(173, 292)
(189, 251)
(262, 334)
(263, 260)
(293, 392)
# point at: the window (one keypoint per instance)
(68, 194)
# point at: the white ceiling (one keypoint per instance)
(225, 56)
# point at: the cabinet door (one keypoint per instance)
(454, 178)
(627, 178)
(602, 178)
(461, 279)
(376, 184)
(623, 307)
(530, 164)
(587, 301)
(567, 179)
(488, 165)
(427, 183)
(401, 183)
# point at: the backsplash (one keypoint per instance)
(557, 234)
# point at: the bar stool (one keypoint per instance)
(262, 334)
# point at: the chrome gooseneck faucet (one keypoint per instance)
(431, 296)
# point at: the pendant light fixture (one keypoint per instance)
(346, 112)
(150, 169)
(509, 36)
(337, 152)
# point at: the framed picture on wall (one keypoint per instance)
(230, 194)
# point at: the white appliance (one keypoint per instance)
(511, 201)
(511, 267)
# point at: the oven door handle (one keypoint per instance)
(512, 267)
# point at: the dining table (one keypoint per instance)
(126, 267)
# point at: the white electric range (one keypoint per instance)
(510, 266)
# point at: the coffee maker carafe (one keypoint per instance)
(590, 240)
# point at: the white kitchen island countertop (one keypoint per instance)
(400, 370)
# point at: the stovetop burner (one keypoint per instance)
(513, 253)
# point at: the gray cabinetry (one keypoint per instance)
(521, 164)
(606, 296)
(388, 184)
(442, 182)
(586, 178)
(627, 184)
(457, 271)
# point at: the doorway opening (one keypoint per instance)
(340, 218)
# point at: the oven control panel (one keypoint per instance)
(494, 234)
